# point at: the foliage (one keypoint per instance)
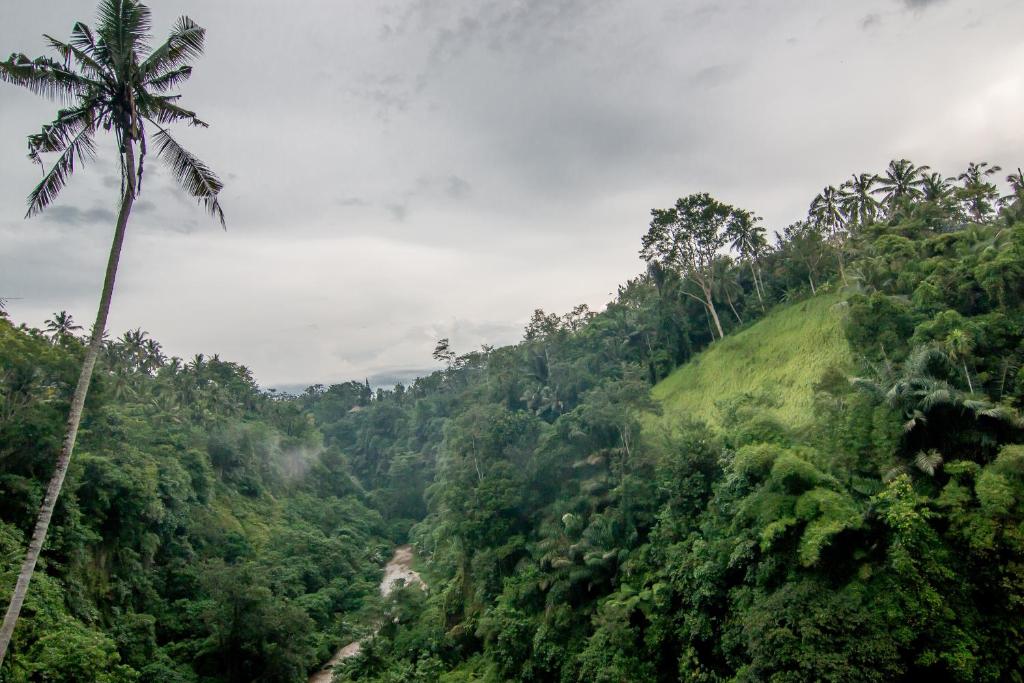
(833, 491)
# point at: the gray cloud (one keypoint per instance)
(715, 75)
(420, 163)
(871, 21)
(457, 188)
(399, 212)
(143, 206)
(72, 215)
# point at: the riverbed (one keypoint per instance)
(399, 568)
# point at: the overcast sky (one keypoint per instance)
(403, 171)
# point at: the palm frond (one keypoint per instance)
(928, 462)
(83, 40)
(193, 175)
(186, 43)
(123, 27)
(162, 110)
(45, 77)
(1003, 413)
(67, 51)
(78, 150)
(170, 79)
(56, 136)
(915, 419)
(937, 396)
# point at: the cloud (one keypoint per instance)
(72, 215)
(471, 160)
(457, 188)
(398, 211)
(871, 21)
(715, 75)
(143, 206)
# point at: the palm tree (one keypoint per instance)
(131, 345)
(935, 188)
(61, 325)
(978, 193)
(960, 345)
(727, 283)
(858, 201)
(901, 182)
(1016, 181)
(827, 215)
(153, 356)
(919, 387)
(749, 241)
(106, 84)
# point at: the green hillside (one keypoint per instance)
(781, 357)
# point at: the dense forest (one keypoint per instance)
(865, 523)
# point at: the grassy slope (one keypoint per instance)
(782, 355)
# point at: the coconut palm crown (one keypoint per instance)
(108, 84)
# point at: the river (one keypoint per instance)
(398, 568)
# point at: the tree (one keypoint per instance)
(748, 240)
(827, 215)
(1013, 203)
(804, 243)
(61, 325)
(935, 188)
(443, 353)
(688, 237)
(978, 194)
(858, 202)
(727, 283)
(901, 183)
(106, 84)
(960, 346)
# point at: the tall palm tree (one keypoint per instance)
(935, 188)
(153, 356)
(827, 215)
(727, 283)
(858, 201)
(978, 193)
(1016, 181)
(749, 241)
(825, 210)
(960, 346)
(61, 325)
(105, 82)
(901, 182)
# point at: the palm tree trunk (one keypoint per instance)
(710, 303)
(707, 316)
(757, 285)
(728, 298)
(75, 415)
(970, 384)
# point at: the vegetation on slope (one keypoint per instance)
(856, 531)
(780, 359)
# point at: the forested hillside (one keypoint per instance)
(206, 533)
(786, 461)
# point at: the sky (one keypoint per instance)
(401, 171)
